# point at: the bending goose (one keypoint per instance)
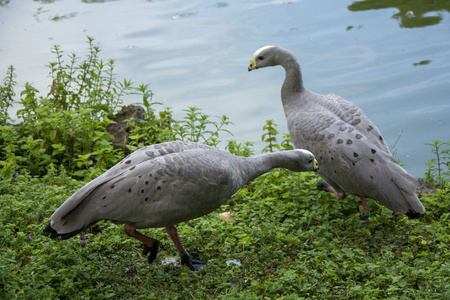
(352, 154)
(165, 184)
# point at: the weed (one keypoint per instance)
(438, 167)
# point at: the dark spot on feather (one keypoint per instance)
(158, 187)
(373, 151)
(369, 128)
(129, 191)
(146, 182)
(330, 136)
(112, 186)
(139, 176)
(355, 154)
(146, 199)
(150, 175)
(381, 138)
(321, 157)
(350, 129)
(353, 163)
(342, 128)
(339, 141)
(132, 168)
(128, 162)
(349, 142)
(335, 172)
(371, 176)
(142, 191)
(358, 136)
(104, 197)
(104, 205)
(356, 122)
(372, 160)
(332, 158)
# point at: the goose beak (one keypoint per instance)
(316, 165)
(252, 65)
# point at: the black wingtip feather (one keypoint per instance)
(64, 236)
(49, 229)
(413, 215)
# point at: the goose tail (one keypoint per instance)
(64, 236)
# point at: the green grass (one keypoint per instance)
(292, 242)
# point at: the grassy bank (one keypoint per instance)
(289, 240)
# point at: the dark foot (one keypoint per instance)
(413, 215)
(193, 264)
(323, 186)
(153, 251)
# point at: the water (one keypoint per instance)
(393, 62)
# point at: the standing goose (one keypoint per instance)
(165, 184)
(352, 154)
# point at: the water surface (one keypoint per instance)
(391, 58)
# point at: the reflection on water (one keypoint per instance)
(412, 13)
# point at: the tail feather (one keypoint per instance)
(64, 236)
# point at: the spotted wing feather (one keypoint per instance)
(114, 176)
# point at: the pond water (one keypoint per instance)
(391, 58)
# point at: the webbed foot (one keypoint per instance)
(193, 264)
(153, 251)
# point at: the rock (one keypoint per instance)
(120, 129)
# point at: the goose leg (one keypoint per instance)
(325, 186)
(186, 259)
(365, 212)
(150, 245)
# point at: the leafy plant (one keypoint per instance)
(438, 167)
(270, 137)
(7, 95)
(155, 127)
(240, 149)
(197, 126)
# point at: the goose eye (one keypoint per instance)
(260, 57)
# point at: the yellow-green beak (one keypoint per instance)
(316, 165)
(252, 65)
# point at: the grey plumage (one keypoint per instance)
(164, 184)
(350, 149)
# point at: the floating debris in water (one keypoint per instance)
(421, 63)
(183, 15)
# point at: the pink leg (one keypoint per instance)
(325, 186)
(150, 245)
(186, 259)
(132, 232)
(365, 214)
(173, 234)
